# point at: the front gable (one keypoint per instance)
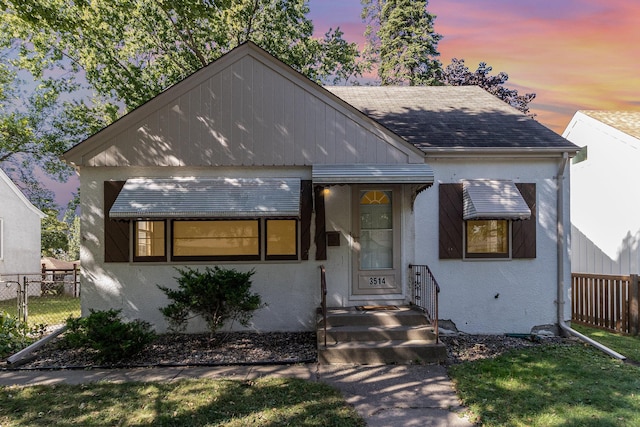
(245, 109)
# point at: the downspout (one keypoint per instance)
(560, 241)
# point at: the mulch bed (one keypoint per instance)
(257, 348)
(190, 349)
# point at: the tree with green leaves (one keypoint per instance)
(38, 119)
(60, 238)
(30, 135)
(458, 74)
(401, 42)
(123, 53)
(131, 51)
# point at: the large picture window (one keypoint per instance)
(487, 238)
(234, 239)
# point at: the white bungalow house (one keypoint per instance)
(604, 206)
(19, 238)
(248, 164)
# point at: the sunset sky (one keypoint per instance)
(573, 54)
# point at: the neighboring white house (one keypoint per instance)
(248, 164)
(604, 203)
(19, 236)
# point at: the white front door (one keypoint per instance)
(376, 248)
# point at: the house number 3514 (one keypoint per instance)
(377, 281)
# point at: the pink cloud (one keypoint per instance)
(573, 55)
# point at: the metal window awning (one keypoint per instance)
(372, 174)
(493, 199)
(207, 198)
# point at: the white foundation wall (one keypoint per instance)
(290, 289)
(497, 296)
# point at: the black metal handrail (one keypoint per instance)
(425, 290)
(323, 304)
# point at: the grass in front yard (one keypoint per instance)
(550, 385)
(48, 310)
(265, 401)
(627, 346)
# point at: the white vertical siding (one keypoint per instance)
(604, 202)
(587, 257)
(19, 233)
(247, 113)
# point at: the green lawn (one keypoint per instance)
(550, 385)
(626, 345)
(48, 310)
(264, 402)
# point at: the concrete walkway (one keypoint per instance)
(385, 395)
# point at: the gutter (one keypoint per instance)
(506, 152)
(560, 241)
(25, 352)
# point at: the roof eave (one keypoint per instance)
(440, 152)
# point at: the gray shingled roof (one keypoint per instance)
(435, 118)
(625, 121)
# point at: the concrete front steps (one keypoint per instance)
(378, 336)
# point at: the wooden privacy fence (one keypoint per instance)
(607, 302)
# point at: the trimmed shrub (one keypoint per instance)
(112, 339)
(217, 295)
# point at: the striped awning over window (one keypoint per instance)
(493, 199)
(372, 174)
(207, 198)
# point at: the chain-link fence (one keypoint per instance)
(47, 298)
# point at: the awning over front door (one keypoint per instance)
(493, 199)
(373, 174)
(207, 198)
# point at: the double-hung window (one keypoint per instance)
(150, 241)
(487, 238)
(281, 239)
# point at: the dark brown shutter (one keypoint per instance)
(321, 228)
(116, 233)
(306, 211)
(524, 232)
(450, 224)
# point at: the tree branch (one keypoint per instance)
(188, 41)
